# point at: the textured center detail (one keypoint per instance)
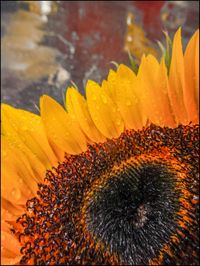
(130, 212)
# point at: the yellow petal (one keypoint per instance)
(18, 182)
(60, 127)
(177, 80)
(191, 92)
(19, 149)
(77, 107)
(153, 84)
(127, 98)
(111, 84)
(103, 111)
(11, 136)
(30, 131)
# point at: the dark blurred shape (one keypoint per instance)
(77, 41)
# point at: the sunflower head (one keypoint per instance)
(111, 180)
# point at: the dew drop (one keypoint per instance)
(73, 116)
(94, 98)
(55, 137)
(5, 153)
(128, 103)
(104, 99)
(16, 193)
(86, 128)
(31, 129)
(95, 119)
(118, 122)
(20, 181)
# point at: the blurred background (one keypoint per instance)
(47, 46)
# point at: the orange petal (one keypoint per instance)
(153, 84)
(10, 242)
(123, 88)
(9, 211)
(10, 260)
(191, 92)
(168, 119)
(128, 98)
(60, 127)
(196, 61)
(77, 107)
(103, 111)
(177, 80)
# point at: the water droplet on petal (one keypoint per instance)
(104, 99)
(86, 128)
(95, 119)
(118, 122)
(128, 103)
(20, 181)
(16, 193)
(5, 153)
(94, 98)
(73, 116)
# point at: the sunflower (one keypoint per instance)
(113, 179)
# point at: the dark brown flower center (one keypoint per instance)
(132, 200)
(134, 211)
